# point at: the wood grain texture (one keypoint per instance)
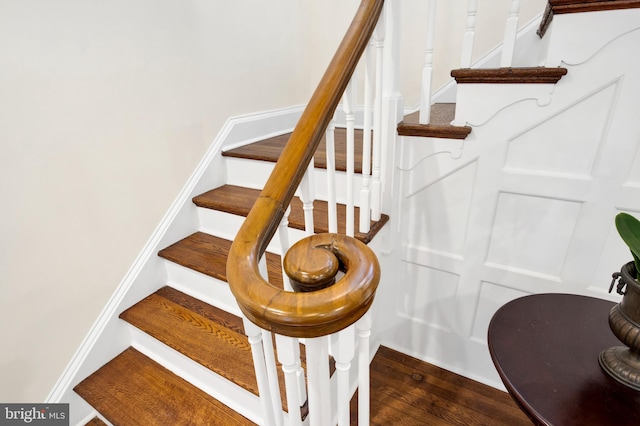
(271, 148)
(298, 314)
(409, 392)
(239, 201)
(533, 75)
(578, 6)
(439, 127)
(207, 254)
(132, 389)
(96, 422)
(202, 335)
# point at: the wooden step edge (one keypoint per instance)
(239, 200)
(269, 150)
(133, 389)
(433, 130)
(579, 6)
(207, 254)
(535, 75)
(96, 421)
(545, 22)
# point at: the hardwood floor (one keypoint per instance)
(407, 392)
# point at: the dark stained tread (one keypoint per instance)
(270, 149)
(238, 200)
(576, 6)
(208, 255)
(208, 335)
(96, 422)
(406, 391)
(535, 75)
(132, 389)
(442, 114)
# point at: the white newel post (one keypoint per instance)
(376, 184)
(427, 70)
(363, 327)
(343, 352)
(393, 108)
(331, 176)
(510, 33)
(469, 34)
(348, 100)
(365, 191)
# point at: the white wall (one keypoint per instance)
(105, 110)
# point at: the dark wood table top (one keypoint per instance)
(545, 348)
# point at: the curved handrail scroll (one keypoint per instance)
(325, 311)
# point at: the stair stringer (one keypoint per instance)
(524, 205)
(109, 335)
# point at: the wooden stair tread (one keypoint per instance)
(96, 422)
(207, 254)
(270, 149)
(442, 114)
(132, 389)
(238, 200)
(526, 75)
(578, 6)
(210, 336)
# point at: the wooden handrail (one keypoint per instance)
(325, 311)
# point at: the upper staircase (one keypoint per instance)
(174, 346)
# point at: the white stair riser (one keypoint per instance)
(226, 225)
(202, 287)
(254, 174)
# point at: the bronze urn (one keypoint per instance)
(623, 362)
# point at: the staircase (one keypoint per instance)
(132, 388)
(175, 350)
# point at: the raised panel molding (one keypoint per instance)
(565, 144)
(442, 229)
(491, 297)
(532, 233)
(429, 295)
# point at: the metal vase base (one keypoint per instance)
(623, 362)
(623, 365)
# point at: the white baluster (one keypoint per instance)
(254, 333)
(510, 33)
(283, 234)
(270, 359)
(287, 350)
(365, 191)
(307, 195)
(469, 35)
(376, 184)
(331, 176)
(427, 70)
(343, 351)
(348, 100)
(319, 390)
(363, 326)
